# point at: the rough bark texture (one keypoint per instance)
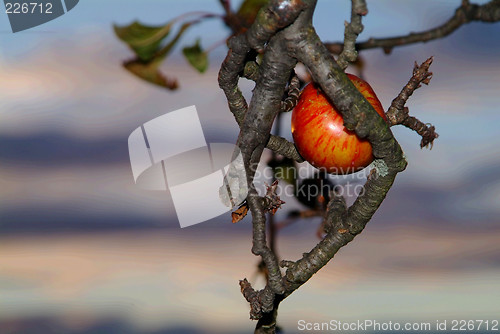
(284, 34)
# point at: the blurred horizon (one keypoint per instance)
(84, 250)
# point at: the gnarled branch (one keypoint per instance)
(288, 39)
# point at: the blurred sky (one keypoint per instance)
(83, 250)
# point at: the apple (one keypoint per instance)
(320, 136)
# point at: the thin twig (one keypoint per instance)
(489, 12)
(255, 130)
(231, 67)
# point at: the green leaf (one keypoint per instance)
(150, 72)
(144, 40)
(196, 56)
(249, 9)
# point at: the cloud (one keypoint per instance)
(152, 277)
(77, 86)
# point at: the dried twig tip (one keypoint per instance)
(272, 200)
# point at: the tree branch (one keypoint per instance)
(360, 117)
(489, 12)
(352, 30)
(251, 71)
(292, 95)
(235, 64)
(283, 147)
(255, 131)
(232, 65)
(399, 114)
(357, 112)
(279, 144)
(252, 297)
(337, 236)
(255, 126)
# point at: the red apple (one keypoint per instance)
(320, 136)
